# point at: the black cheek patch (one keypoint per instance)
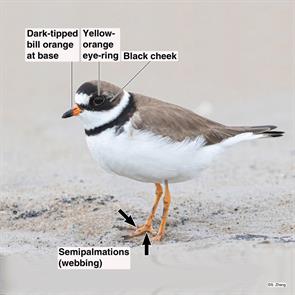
(107, 105)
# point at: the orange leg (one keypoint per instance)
(147, 227)
(167, 201)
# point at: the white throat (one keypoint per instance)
(92, 119)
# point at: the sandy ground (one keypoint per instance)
(230, 231)
(208, 216)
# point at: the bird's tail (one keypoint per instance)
(265, 131)
(244, 133)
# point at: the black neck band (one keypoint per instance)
(124, 117)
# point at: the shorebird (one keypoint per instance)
(152, 141)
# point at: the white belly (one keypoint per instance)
(145, 157)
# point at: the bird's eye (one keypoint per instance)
(98, 100)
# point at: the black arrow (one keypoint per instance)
(146, 243)
(128, 219)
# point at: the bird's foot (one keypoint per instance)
(146, 228)
(158, 237)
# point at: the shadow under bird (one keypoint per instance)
(152, 141)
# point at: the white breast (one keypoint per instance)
(149, 158)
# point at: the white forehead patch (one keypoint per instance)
(82, 98)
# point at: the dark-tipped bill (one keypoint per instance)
(75, 111)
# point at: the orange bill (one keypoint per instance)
(75, 111)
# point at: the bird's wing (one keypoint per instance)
(175, 122)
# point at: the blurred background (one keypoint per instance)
(235, 59)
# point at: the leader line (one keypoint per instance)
(71, 84)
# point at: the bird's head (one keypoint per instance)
(94, 108)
